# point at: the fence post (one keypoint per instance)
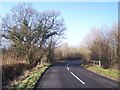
(93, 62)
(99, 63)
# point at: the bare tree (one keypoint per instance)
(29, 29)
(103, 45)
(113, 43)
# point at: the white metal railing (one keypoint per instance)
(98, 63)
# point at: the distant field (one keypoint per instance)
(113, 74)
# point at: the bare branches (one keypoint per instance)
(30, 29)
(103, 45)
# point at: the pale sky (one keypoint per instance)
(79, 17)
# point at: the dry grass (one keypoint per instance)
(12, 60)
(12, 67)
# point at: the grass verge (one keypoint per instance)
(31, 78)
(113, 74)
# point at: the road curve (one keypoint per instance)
(69, 74)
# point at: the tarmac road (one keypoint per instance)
(70, 74)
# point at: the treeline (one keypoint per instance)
(101, 44)
(65, 52)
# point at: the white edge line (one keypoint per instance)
(77, 78)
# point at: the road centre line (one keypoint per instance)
(77, 78)
(67, 67)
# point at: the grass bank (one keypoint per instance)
(113, 74)
(29, 80)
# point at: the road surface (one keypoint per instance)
(70, 74)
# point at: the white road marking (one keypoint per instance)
(67, 67)
(82, 64)
(77, 78)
